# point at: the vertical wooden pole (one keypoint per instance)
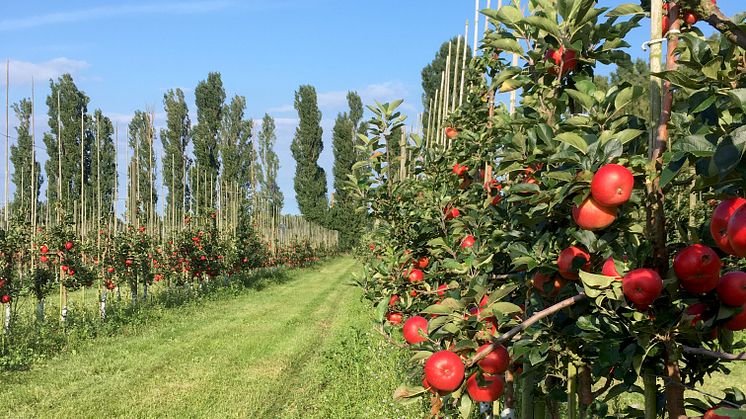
(59, 158)
(7, 135)
(455, 74)
(513, 94)
(476, 26)
(463, 65)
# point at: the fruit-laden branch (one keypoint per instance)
(510, 334)
(715, 17)
(720, 355)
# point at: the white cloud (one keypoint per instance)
(184, 7)
(21, 72)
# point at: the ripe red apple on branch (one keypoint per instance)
(413, 328)
(642, 286)
(612, 185)
(698, 268)
(496, 362)
(569, 260)
(736, 231)
(609, 268)
(491, 391)
(592, 216)
(731, 289)
(561, 58)
(719, 222)
(444, 370)
(451, 133)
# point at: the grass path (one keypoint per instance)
(299, 349)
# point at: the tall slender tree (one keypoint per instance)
(103, 166)
(142, 170)
(270, 164)
(310, 178)
(236, 147)
(63, 142)
(175, 162)
(209, 98)
(20, 156)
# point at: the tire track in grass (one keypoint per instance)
(154, 371)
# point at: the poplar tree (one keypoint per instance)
(270, 164)
(310, 178)
(20, 156)
(65, 130)
(236, 147)
(209, 98)
(175, 140)
(103, 165)
(142, 170)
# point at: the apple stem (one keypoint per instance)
(715, 354)
(509, 335)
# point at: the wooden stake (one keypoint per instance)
(476, 26)
(7, 135)
(463, 65)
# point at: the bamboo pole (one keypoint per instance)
(116, 181)
(476, 25)
(34, 192)
(463, 65)
(7, 135)
(455, 74)
(59, 158)
(514, 93)
(82, 175)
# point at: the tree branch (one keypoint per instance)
(525, 325)
(715, 354)
(712, 14)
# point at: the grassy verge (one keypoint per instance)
(298, 348)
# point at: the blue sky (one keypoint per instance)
(126, 53)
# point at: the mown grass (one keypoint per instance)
(303, 348)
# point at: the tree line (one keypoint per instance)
(201, 163)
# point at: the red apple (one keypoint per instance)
(612, 185)
(719, 222)
(413, 293)
(412, 328)
(44, 259)
(561, 57)
(444, 370)
(609, 268)
(442, 290)
(698, 268)
(68, 245)
(492, 390)
(44, 249)
(736, 231)
(459, 169)
(540, 279)
(394, 318)
(592, 216)
(468, 242)
(642, 286)
(5, 299)
(737, 322)
(732, 289)
(394, 298)
(496, 362)
(2, 283)
(64, 268)
(416, 275)
(567, 265)
(451, 133)
(128, 262)
(690, 17)
(423, 262)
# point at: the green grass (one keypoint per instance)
(303, 348)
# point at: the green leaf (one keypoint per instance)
(696, 145)
(595, 280)
(584, 99)
(465, 407)
(438, 309)
(672, 169)
(626, 135)
(729, 151)
(711, 68)
(545, 24)
(510, 85)
(574, 140)
(509, 15)
(627, 96)
(503, 307)
(738, 96)
(507, 44)
(626, 10)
